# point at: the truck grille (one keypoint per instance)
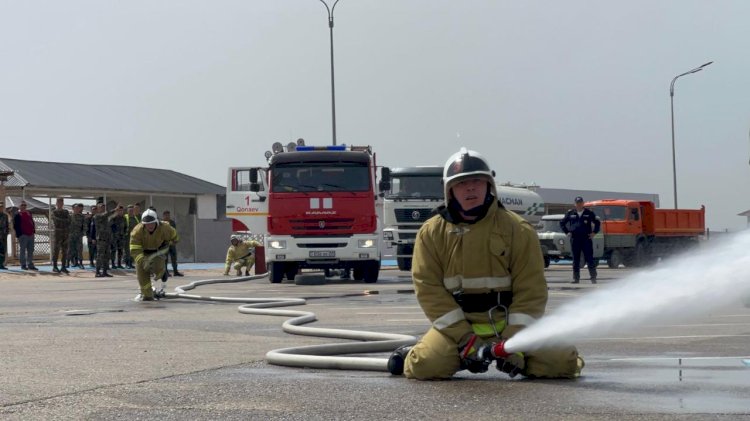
(412, 215)
(314, 224)
(407, 235)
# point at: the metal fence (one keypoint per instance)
(42, 239)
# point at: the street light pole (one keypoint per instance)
(671, 101)
(333, 88)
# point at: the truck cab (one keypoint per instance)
(410, 195)
(247, 209)
(317, 207)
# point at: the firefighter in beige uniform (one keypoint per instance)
(149, 243)
(472, 262)
(241, 253)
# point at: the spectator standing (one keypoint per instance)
(119, 230)
(131, 220)
(23, 224)
(102, 232)
(61, 222)
(581, 225)
(167, 217)
(4, 230)
(90, 237)
(77, 231)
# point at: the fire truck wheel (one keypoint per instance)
(276, 273)
(614, 260)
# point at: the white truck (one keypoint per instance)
(410, 194)
(556, 244)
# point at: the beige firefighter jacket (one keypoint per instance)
(242, 250)
(144, 242)
(500, 252)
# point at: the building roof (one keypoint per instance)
(55, 176)
(33, 204)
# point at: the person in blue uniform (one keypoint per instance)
(581, 225)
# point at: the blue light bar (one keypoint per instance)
(322, 148)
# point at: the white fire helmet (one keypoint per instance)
(466, 163)
(149, 217)
(234, 237)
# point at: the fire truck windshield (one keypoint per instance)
(312, 177)
(415, 187)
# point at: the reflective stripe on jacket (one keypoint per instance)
(500, 252)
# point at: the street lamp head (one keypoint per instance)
(704, 65)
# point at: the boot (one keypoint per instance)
(239, 272)
(247, 273)
(396, 360)
(64, 270)
(98, 274)
(176, 273)
(107, 274)
(54, 268)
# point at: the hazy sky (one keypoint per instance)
(565, 94)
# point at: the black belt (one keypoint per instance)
(475, 303)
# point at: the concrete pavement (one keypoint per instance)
(78, 347)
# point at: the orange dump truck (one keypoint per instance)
(635, 233)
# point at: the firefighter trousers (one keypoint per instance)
(435, 356)
(144, 269)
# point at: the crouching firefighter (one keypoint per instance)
(479, 277)
(149, 244)
(240, 254)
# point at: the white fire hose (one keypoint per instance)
(325, 356)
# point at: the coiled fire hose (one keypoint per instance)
(325, 356)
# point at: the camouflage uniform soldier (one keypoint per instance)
(61, 219)
(4, 228)
(119, 231)
(132, 218)
(77, 230)
(103, 234)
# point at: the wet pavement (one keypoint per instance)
(78, 347)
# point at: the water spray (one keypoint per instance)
(684, 287)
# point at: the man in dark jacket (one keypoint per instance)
(23, 223)
(581, 225)
(4, 230)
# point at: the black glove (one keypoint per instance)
(470, 357)
(512, 364)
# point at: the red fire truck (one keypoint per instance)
(316, 207)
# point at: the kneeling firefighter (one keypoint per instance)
(149, 244)
(241, 254)
(479, 277)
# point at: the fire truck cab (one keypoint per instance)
(316, 207)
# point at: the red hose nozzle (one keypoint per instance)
(498, 350)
